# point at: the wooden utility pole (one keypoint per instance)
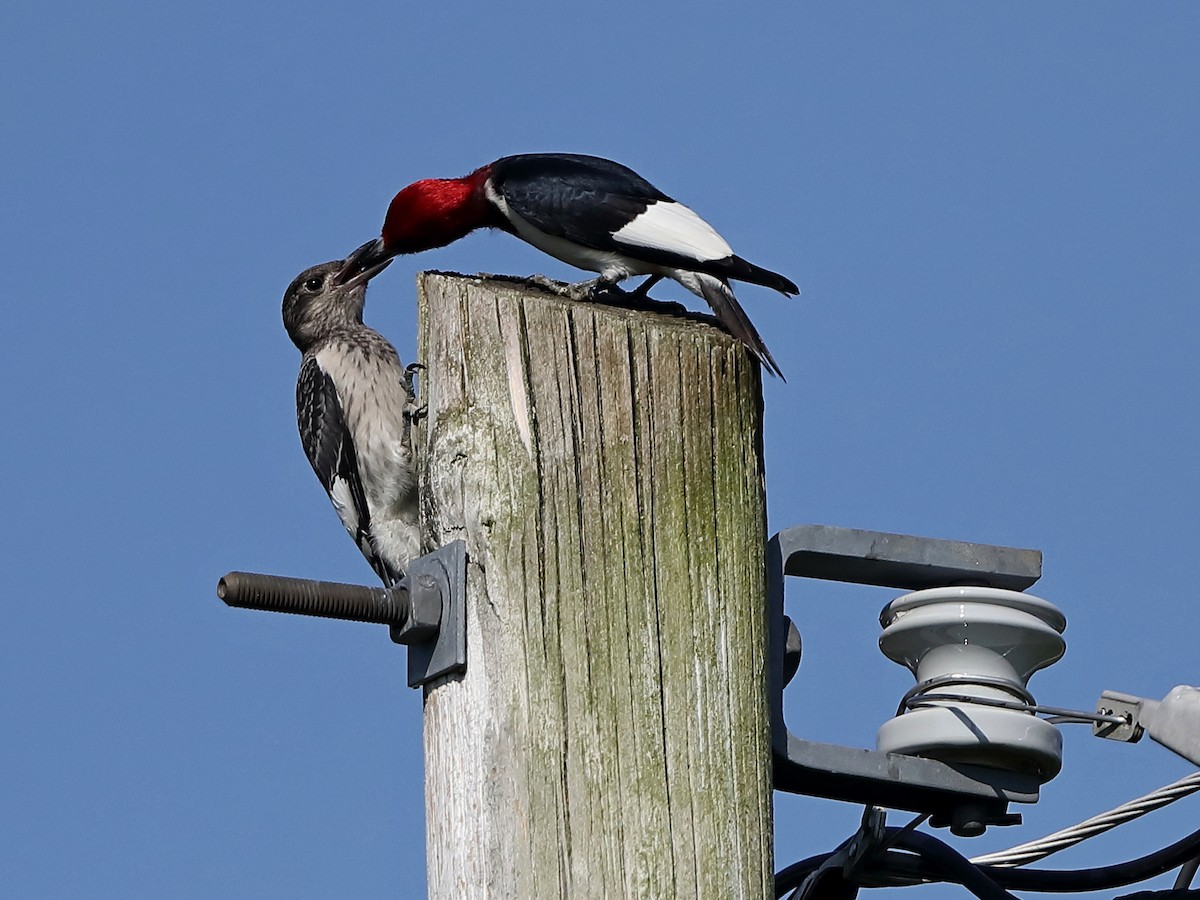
(610, 735)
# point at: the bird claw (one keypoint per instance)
(591, 289)
(584, 291)
(549, 285)
(413, 411)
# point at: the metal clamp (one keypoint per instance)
(1173, 721)
(968, 798)
(426, 609)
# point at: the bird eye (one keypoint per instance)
(314, 283)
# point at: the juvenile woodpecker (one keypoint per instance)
(590, 212)
(355, 405)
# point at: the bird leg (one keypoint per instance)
(642, 291)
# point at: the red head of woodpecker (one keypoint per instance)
(590, 212)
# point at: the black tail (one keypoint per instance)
(718, 295)
(738, 269)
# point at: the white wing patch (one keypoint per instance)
(343, 503)
(673, 227)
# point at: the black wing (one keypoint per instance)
(330, 450)
(587, 199)
(581, 198)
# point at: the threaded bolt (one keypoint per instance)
(327, 599)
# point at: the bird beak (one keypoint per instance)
(364, 264)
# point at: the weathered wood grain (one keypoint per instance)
(610, 735)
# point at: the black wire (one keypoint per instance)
(933, 864)
(950, 863)
(941, 858)
(1183, 880)
(793, 876)
(826, 883)
(1064, 880)
(890, 838)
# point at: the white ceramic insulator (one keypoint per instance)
(1000, 637)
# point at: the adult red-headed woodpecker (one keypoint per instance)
(590, 212)
(355, 406)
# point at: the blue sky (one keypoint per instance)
(992, 210)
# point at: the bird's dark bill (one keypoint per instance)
(363, 264)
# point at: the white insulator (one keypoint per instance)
(973, 642)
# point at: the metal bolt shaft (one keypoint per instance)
(327, 599)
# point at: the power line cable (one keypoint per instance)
(1061, 880)
(1069, 837)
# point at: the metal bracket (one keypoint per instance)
(426, 609)
(437, 586)
(1173, 721)
(1127, 707)
(965, 797)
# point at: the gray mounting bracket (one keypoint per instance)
(967, 798)
(426, 609)
(437, 585)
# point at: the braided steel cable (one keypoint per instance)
(1069, 837)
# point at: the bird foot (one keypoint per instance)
(580, 290)
(549, 285)
(413, 411)
(591, 289)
